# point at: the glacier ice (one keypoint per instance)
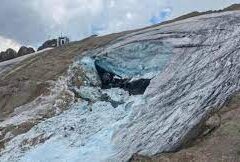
(142, 59)
(193, 66)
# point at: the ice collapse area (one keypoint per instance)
(132, 96)
(143, 59)
(132, 66)
(106, 88)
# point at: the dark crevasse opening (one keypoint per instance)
(111, 80)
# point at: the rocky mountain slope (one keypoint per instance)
(127, 96)
(11, 54)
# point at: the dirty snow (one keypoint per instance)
(82, 133)
(41, 104)
(9, 64)
(198, 79)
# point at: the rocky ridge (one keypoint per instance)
(11, 53)
(48, 44)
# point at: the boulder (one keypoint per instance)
(48, 44)
(25, 50)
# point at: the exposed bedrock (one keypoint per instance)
(110, 80)
(8, 54)
(48, 44)
(25, 50)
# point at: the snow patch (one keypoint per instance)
(9, 64)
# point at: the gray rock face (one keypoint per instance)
(48, 44)
(204, 72)
(8, 54)
(11, 54)
(25, 50)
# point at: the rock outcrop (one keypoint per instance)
(8, 54)
(11, 54)
(25, 50)
(48, 44)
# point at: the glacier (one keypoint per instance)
(193, 66)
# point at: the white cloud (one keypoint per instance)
(81, 18)
(45, 19)
(129, 14)
(8, 43)
(181, 7)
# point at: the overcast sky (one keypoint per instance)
(30, 22)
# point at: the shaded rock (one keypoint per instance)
(25, 50)
(11, 54)
(48, 44)
(8, 54)
(110, 80)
